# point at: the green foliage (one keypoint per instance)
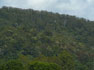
(67, 61)
(43, 66)
(26, 34)
(79, 66)
(12, 65)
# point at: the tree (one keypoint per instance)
(43, 66)
(67, 61)
(12, 65)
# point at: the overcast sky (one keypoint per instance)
(79, 8)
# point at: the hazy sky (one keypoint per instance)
(80, 8)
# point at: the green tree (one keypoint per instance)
(67, 61)
(12, 65)
(43, 66)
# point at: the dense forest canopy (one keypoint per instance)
(54, 39)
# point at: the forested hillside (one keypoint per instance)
(45, 38)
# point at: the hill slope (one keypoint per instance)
(36, 33)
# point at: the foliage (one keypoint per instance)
(26, 34)
(67, 61)
(12, 65)
(44, 66)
